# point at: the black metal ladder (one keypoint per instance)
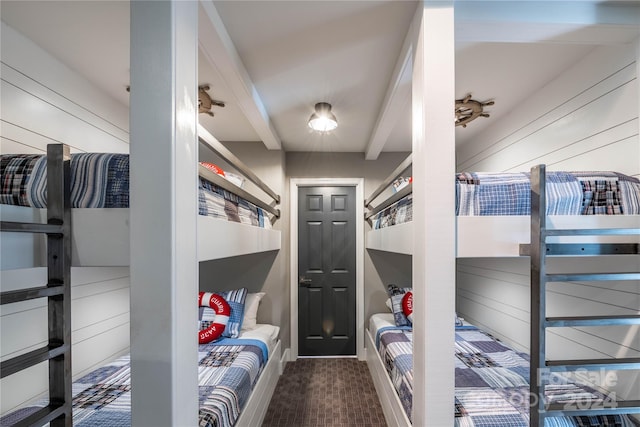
(57, 291)
(538, 251)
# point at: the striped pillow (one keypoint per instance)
(236, 299)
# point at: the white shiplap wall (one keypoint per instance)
(586, 119)
(42, 102)
(100, 326)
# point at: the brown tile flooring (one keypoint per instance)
(325, 392)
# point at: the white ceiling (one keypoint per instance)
(292, 54)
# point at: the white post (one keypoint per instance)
(434, 215)
(164, 267)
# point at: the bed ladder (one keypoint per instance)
(57, 291)
(538, 251)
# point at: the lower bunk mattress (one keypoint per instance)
(228, 370)
(491, 379)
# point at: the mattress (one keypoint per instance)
(268, 334)
(503, 194)
(491, 379)
(379, 321)
(101, 180)
(228, 370)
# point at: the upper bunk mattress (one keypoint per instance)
(101, 180)
(507, 194)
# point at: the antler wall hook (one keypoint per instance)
(468, 109)
(205, 103)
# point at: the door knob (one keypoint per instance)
(303, 281)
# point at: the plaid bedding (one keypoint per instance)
(396, 350)
(568, 193)
(98, 180)
(101, 180)
(217, 202)
(491, 385)
(227, 371)
(397, 213)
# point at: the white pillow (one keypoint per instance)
(251, 305)
(389, 304)
(263, 332)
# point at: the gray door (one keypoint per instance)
(326, 271)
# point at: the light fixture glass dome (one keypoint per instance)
(323, 120)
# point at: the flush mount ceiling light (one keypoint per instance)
(323, 120)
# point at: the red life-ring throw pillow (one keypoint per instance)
(222, 310)
(407, 306)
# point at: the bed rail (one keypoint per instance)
(539, 250)
(212, 143)
(389, 201)
(384, 185)
(57, 291)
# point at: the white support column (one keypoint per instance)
(164, 267)
(434, 215)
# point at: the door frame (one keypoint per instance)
(294, 185)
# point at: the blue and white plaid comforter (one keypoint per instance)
(98, 180)
(568, 193)
(101, 180)
(227, 371)
(492, 382)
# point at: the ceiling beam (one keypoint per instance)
(397, 96)
(218, 48)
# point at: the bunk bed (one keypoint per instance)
(539, 236)
(491, 381)
(490, 230)
(100, 234)
(236, 380)
(226, 397)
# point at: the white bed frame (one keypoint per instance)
(499, 236)
(484, 236)
(100, 237)
(389, 399)
(477, 236)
